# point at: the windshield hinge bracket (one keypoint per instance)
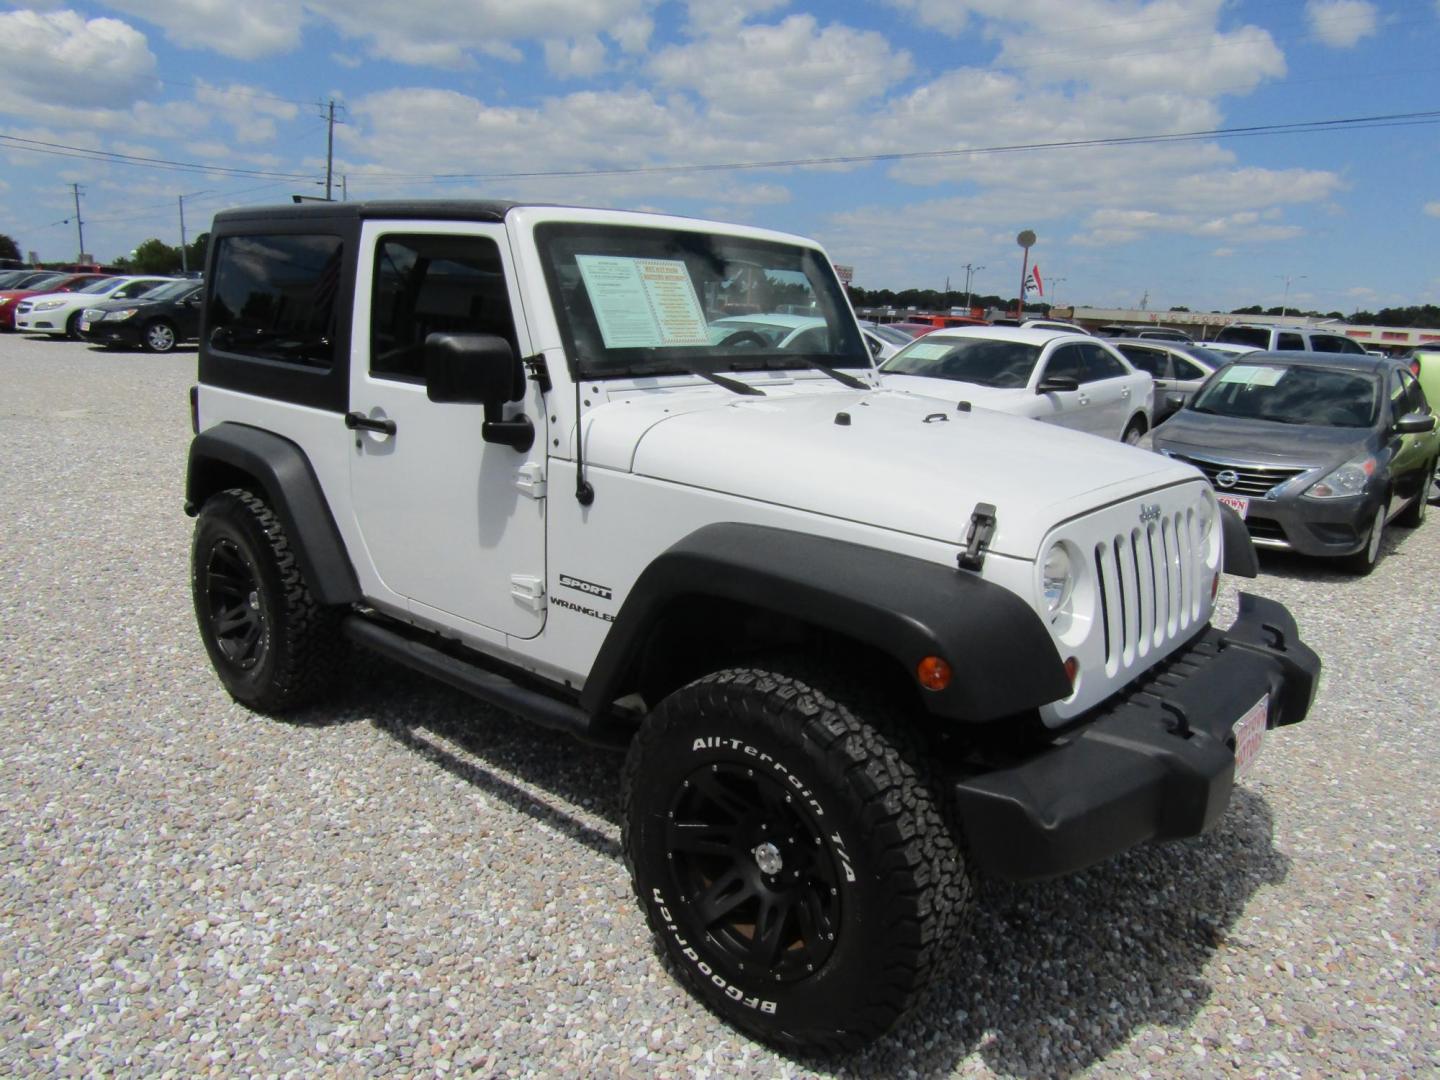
(982, 528)
(538, 371)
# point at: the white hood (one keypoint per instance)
(915, 465)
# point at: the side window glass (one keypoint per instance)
(1184, 369)
(433, 284)
(1099, 364)
(274, 297)
(1146, 360)
(1066, 362)
(1399, 406)
(1291, 341)
(1348, 345)
(1327, 343)
(1414, 394)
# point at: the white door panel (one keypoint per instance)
(442, 514)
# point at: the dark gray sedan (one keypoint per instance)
(1317, 452)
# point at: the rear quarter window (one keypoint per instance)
(273, 297)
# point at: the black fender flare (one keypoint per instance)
(1240, 557)
(1003, 658)
(282, 472)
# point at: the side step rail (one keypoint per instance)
(488, 686)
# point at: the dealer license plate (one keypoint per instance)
(1249, 733)
(1239, 503)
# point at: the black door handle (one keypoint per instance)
(360, 420)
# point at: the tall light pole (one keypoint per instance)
(1287, 278)
(1026, 239)
(1054, 281)
(970, 271)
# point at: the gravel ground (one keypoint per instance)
(409, 883)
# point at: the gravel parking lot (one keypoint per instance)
(407, 882)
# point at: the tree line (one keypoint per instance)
(151, 257)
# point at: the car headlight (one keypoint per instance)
(48, 305)
(1057, 579)
(120, 316)
(1349, 479)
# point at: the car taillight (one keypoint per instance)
(1415, 367)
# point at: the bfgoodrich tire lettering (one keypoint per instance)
(273, 646)
(791, 858)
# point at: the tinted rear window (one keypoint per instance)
(274, 297)
(1245, 335)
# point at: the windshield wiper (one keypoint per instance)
(734, 385)
(839, 376)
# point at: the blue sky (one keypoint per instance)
(491, 88)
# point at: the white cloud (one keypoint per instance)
(249, 111)
(1341, 24)
(787, 73)
(575, 59)
(435, 33)
(710, 18)
(245, 31)
(61, 59)
(947, 16)
(1433, 209)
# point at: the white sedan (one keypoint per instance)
(59, 313)
(1073, 380)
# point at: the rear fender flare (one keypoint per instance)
(236, 455)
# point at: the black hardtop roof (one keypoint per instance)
(419, 209)
(1361, 362)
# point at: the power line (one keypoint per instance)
(38, 146)
(1305, 127)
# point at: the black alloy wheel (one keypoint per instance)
(236, 621)
(273, 645)
(752, 863)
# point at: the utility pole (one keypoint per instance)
(1285, 303)
(970, 271)
(184, 258)
(79, 224)
(330, 150)
(344, 188)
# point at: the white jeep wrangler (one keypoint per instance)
(860, 644)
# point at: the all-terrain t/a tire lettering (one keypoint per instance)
(791, 857)
(274, 647)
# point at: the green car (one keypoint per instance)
(1425, 364)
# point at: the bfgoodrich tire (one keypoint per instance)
(274, 647)
(791, 857)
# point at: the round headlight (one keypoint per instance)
(1057, 578)
(1205, 515)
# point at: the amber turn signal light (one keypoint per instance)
(1072, 669)
(933, 673)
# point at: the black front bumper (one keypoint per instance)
(1155, 763)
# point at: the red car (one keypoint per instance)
(60, 282)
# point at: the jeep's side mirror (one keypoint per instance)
(1057, 384)
(479, 369)
(1174, 402)
(1415, 423)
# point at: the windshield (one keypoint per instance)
(40, 282)
(982, 361)
(171, 289)
(100, 285)
(888, 333)
(1291, 395)
(1245, 335)
(649, 301)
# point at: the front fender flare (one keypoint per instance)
(1003, 657)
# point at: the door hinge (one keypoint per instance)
(528, 590)
(530, 479)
